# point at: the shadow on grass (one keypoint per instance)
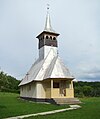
(2, 106)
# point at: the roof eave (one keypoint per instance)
(49, 32)
(71, 78)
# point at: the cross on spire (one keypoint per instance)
(48, 26)
(48, 7)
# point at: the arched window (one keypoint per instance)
(47, 37)
(54, 38)
(51, 37)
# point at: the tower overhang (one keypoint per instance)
(48, 32)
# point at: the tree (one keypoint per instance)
(87, 90)
(8, 83)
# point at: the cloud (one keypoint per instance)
(89, 71)
(78, 22)
(91, 75)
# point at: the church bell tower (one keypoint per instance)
(47, 39)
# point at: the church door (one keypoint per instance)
(63, 88)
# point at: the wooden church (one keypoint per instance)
(48, 80)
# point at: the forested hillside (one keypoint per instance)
(82, 89)
(87, 89)
(8, 83)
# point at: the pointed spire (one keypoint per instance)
(48, 26)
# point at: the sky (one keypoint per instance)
(77, 21)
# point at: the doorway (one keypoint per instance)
(63, 88)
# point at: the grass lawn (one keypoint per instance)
(11, 105)
(90, 110)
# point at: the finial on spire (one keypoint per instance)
(48, 6)
(48, 26)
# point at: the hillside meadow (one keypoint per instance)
(90, 110)
(12, 105)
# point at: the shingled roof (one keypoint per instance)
(50, 67)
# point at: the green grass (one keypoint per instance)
(11, 105)
(90, 110)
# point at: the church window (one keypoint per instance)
(47, 37)
(50, 37)
(54, 38)
(55, 85)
